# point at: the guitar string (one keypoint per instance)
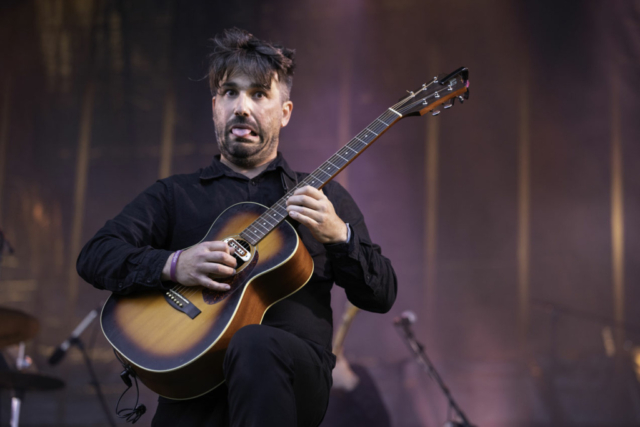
(375, 128)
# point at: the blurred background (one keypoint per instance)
(513, 221)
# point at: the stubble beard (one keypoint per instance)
(243, 152)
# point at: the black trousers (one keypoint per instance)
(273, 378)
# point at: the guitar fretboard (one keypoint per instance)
(318, 178)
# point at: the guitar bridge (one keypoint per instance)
(181, 303)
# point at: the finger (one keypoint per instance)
(216, 245)
(304, 220)
(310, 191)
(217, 270)
(306, 201)
(310, 213)
(212, 284)
(221, 258)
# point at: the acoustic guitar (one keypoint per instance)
(176, 340)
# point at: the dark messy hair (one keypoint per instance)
(238, 50)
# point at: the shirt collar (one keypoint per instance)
(217, 169)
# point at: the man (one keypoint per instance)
(279, 372)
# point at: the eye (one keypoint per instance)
(260, 94)
(229, 92)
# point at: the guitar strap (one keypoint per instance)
(288, 183)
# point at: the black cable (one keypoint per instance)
(130, 415)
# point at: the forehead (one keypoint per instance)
(245, 81)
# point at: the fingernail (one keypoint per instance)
(227, 287)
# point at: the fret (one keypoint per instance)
(346, 152)
(267, 220)
(257, 231)
(354, 148)
(342, 157)
(314, 181)
(254, 232)
(275, 214)
(369, 129)
(283, 211)
(337, 160)
(347, 147)
(395, 112)
(328, 175)
(328, 161)
(313, 174)
(356, 138)
(386, 124)
(255, 223)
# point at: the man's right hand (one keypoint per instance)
(200, 264)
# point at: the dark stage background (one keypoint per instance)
(513, 221)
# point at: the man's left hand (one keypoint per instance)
(309, 206)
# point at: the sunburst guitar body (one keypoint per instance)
(175, 341)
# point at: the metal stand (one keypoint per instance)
(94, 380)
(16, 402)
(17, 396)
(421, 357)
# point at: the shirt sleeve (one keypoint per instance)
(358, 265)
(129, 252)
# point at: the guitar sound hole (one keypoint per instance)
(239, 261)
(247, 246)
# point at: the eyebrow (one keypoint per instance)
(252, 86)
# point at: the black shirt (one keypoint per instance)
(130, 251)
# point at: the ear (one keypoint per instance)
(287, 108)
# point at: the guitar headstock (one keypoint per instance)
(442, 91)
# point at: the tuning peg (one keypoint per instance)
(450, 104)
(461, 98)
(435, 112)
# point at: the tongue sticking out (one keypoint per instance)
(240, 131)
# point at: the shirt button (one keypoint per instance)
(253, 182)
(148, 280)
(367, 277)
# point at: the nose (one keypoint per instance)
(242, 106)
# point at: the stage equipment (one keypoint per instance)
(341, 334)
(19, 383)
(16, 380)
(175, 340)
(74, 339)
(16, 326)
(403, 324)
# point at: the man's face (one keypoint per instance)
(247, 118)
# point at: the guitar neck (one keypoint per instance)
(322, 175)
(439, 92)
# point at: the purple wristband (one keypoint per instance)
(174, 263)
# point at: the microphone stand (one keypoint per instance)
(420, 355)
(75, 340)
(94, 379)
